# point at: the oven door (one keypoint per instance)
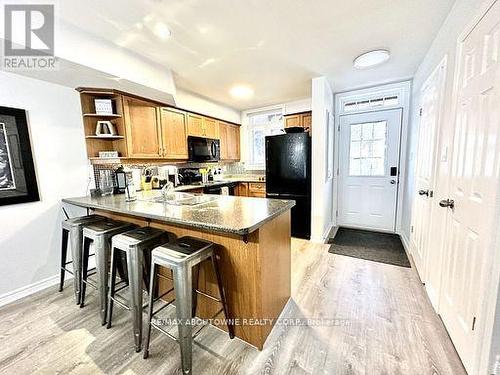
(203, 149)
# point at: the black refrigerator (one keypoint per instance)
(288, 176)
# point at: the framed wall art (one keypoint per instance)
(17, 172)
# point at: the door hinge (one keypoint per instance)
(473, 323)
(338, 127)
(337, 213)
(420, 112)
(411, 229)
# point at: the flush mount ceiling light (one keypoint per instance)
(371, 59)
(241, 92)
(162, 31)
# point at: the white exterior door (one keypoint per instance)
(369, 169)
(430, 105)
(474, 183)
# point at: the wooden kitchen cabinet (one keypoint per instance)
(173, 134)
(195, 125)
(242, 189)
(229, 141)
(303, 120)
(142, 128)
(257, 189)
(210, 128)
(292, 121)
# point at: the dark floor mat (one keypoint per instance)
(374, 246)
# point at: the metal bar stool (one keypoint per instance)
(73, 228)
(99, 234)
(181, 257)
(137, 244)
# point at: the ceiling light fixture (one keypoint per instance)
(241, 92)
(371, 59)
(162, 31)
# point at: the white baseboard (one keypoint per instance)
(406, 242)
(29, 289)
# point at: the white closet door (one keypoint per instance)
(474, 183)
(430, 104)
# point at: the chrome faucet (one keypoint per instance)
(167, 189)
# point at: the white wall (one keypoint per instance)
(322, 186)
(30, 234)
(196, 103)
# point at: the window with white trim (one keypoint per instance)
(260, 125)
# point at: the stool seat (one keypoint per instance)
(182, 250)
(100, 234)
(137, 236)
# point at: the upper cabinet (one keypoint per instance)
(201, 126)
(142, 128)
(195, 125)
(145, 129)
(229, 141)
(303, 120)
(174, 134)
(210, 128)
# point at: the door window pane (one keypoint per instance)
(367, 149)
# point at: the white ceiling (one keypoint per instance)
(276, 46)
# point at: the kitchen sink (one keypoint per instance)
(183, 199)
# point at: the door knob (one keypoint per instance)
(423, 192)
(393, 182)
(447, 203)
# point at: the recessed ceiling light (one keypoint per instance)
(162, 31)
(241, 91)
(372, 58)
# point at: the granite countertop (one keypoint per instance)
(227, 214)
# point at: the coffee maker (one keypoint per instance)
(168, 173)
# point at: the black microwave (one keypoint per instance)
(203, 149)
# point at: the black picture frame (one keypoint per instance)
(18, 182)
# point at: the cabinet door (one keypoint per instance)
(195, 125)
(224, 140)
(233, 143)
(210, 128)
(292, 120)
(173, 131)
(142, 126)
(307, 121)
(242, 189)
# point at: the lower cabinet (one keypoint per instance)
(251, 189)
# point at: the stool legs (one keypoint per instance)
(152, 288)
(183, 304)
(230, 326)
(111, 289)
(76, 254)
(64, 251)
(134, 267)
(85, 269)
(103, 249)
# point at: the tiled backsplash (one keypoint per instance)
(227, 168)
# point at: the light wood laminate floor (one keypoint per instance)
(385, 325)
